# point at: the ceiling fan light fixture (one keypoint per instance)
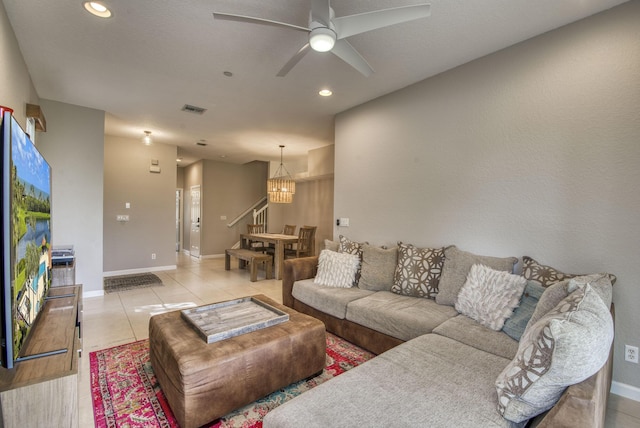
(322, 39)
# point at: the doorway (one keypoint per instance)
(179, 211)
(194, 236)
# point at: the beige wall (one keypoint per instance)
(73, 145)
(16, 88)
(313, 201)
(534, 150)
(227, 190)
(151, 226)
(312, 206)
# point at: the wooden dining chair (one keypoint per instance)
(289, 229)
(256, 245)
(306, 243)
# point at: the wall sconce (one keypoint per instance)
(147, 138)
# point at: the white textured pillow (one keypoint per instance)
(337, 269)
(489, 296)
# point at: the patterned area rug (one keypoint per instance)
(114, 284)
(126, 394)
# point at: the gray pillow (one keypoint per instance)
(550, 298)
(565, 347)
(378, 267)
(514, 326)
(457, 264)
(553, 294)
(331, 245)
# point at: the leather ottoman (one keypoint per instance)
(203, 382)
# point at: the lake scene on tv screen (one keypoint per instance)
(31, 233)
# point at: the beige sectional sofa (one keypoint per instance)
(439, 368)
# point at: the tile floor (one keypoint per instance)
(118, 318)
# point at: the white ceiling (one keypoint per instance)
(153, 56)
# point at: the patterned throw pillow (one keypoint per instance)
(565, 347)
(457, 264)
(418, 271)
(336, 269)
(546, 275)
(515, 325)
(351, 247)
(378, 268)
(489, 296)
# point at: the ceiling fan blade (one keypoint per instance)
(252, 20)
(293, 61)
(355, 24)
(343, 50)
(321, 11)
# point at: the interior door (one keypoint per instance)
(178, 220)
(195, 221)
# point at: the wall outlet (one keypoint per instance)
(631, 353)
(153, 256)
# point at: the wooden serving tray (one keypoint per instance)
(219, 321)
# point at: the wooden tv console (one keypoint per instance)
(44, 391)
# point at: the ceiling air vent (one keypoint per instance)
(201, 143)
(193, 109)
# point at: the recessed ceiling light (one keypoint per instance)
(228, 73)
(325, 93)
(97, 9)
(179, 159)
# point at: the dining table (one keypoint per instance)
(279, 240)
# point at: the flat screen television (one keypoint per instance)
(26, 237)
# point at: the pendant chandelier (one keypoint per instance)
(281, 187)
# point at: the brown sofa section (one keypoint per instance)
(581, 405)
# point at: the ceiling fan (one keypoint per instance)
(328, 33)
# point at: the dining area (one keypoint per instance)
(291, 242)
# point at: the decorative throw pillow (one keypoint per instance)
(546, 275)
(489, 296)
(378, 267)
(514, 326)
(457, 264)
(331, 245)
(336, 269)
(351, 247)
(565, 347)
(552, 295)
(418, 271)
(555, 293)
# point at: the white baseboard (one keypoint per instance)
(140, 270)
(98, 293)
(213, 256)
(624, 390)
